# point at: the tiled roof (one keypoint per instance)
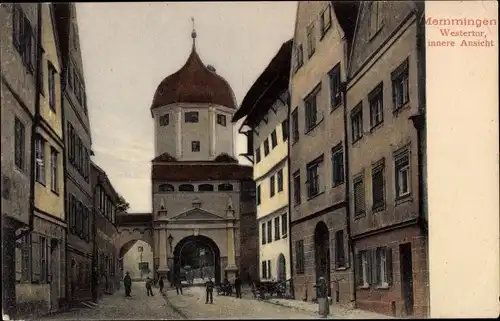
(200, 172)
(194, 83)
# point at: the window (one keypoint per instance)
(359, 196)
(280, 180)
(191, 117)
(274, 139)
(23, 38)
(272, 186)
(186, 188)
(335, 90)
(400, 86)
(225, 187)
(362, 266)
(376, 100)
(311, 108)
(85, 223)
(402, 174)
(269, 274)
(258, 195)
(205, 188)
(40, 159)
(164, 120)
(338, 165)
(54, 177)
(264, 269)
(378, 197)
(195, 146)
(43, 259)
(277, 230)
(326, 20)
(26, 258)
(284, 129)
(263, 233)
(299, 257)
(383, 266)
(300, 57)
(284, 225)
(166, 188)
(19, 144)
(266, 147)
(375, 17)
(313, 178)
(295, 126)
(257, 155)
(339, 249)
(52, 86)
(42, 72)
(72, 212)
(269, 231)
(311, 40)
(221, 120)
(296, 188)
(357, 122)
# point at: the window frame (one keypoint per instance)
(269, 231)
(274, 139)
(54, 170)
(376, 105)
(221, 120)
(191, 117)
(284, 225)
(52, 85)
(378, 168)
(359, 211)
(297, 191)
(19, 144)
(257, 155)
(258, 195)
(295, 125)
(400, 80)
(340, 257)
(164, 120)
(277, 228)
(311, 111)
(263, 232)
(195, 146)
(325, 24)
(313, 175)
(338, 166)
(402, 157)
(272, 186)
(279, 180)
(311, 39)
(299, 257)
(266, 147)
(40, 172)
(357, 123)
(334, 76)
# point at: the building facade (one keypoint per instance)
(77, 139)
(19, 33)
(319, 218)
(249, 233)
(266, 109)
(196, 181)
(383, 96)
(48, 237)
(105, 261)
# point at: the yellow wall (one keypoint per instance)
(45, 199)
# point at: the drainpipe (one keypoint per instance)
(94, 276)
(288, 158)
(350, 242)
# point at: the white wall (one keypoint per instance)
(132, 258)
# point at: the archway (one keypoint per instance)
(322, 252)
(281, 268)
(136, 257)
(200, 255)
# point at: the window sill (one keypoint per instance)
(335, 107)
(384, 286)
(20, 170)
(397, 110)
(337, 184)
(314, 196)
(341, 268)
(41, 183)
(378, 208)
(55, 192)
(364, 286)
(313, 127)
(284, 236)
(359, 216)
(296, 204)
(295, 142)
(376, 126)
(403, 199)
(357, 140)
(372, 36)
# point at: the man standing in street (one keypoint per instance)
(209, 285)
(127, 282)
(237, 286)
(178, 284)
(161, 284)
(149, 289)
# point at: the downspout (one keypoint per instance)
(289, 146)
(347, 200)
(94, 275)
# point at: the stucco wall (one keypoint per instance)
(133, 257)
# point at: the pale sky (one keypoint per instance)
(129, 48)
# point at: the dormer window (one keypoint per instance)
(164, 120)
(221, 120)
(191, 117)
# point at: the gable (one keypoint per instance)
(365, 43)
(195, 214)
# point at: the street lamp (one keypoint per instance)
(140, 249)
(170, 240)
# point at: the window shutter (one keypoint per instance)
(35, 258)
(335, 250)
(369, 259)
(388, 257)
(378, 264)
(49, 260)
(358, 266)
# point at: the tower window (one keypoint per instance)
(186, 188)
(164, 120)
(191, 117)
(206, 188)
(221, 120)
(225, 187)
(166, 188)
(195, 146)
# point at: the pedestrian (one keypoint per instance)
(178, 284)
(237, 286)
(149, 289)
(209, 286)
(127, 282)
(161, 284)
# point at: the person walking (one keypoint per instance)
(161, 284)
(178, 284)
(127, 282)
(209, 286)
(149, 289)
(237, 286)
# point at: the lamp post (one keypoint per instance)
(140, 249)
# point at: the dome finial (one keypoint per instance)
(193, 33)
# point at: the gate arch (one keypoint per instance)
(322, 252)
(281, 268)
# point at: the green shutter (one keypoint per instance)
(388, 255)
(35, 258)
